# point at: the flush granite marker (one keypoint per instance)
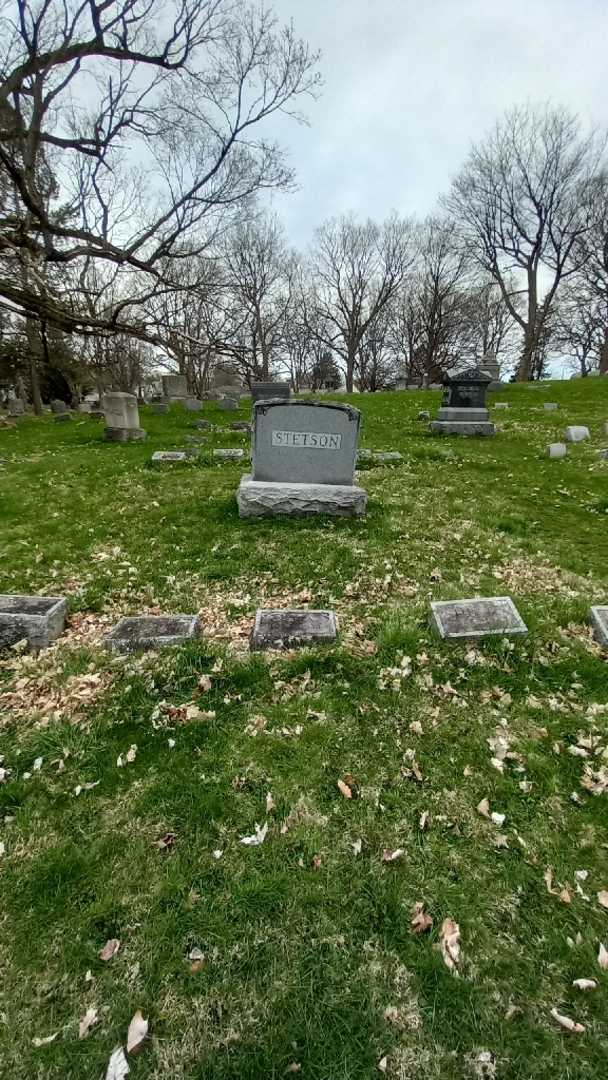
(288, 629)
(168, 455)
(143, 632)
(577, 433)
(461, 619)
(304, 455)
(598, 617)
(37, 619)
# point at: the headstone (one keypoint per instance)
(143, 632)
(288, 629)
(84, 407)
(268, 391)
(463, 410)
(241, 425)
(58, 407)
(16, 407)
(413, 386)
(458, 619)
(159, 408)
(122, 418)
(501, 405)
(192, 404)
(387, 455)
(550, 406)
(577, 433)
(426, 381)
(203, 425)
(304, 455)
(228, 404)
(175, 387)
(490, 365)
(230, 454)
(436, 386)
(557, 450)
(37, 619)
(598, 617)
(160, 456)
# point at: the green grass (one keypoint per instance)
(310, 962)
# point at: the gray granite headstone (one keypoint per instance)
(287, 629)
(192, 404)
(84, 407)
(58, 407)
(266, 391)
(16, 407)
(577, 433)
(385, 456)
(557, 450)
(122, 417)
(168, 455)
(143, 632)
(305, 442)
(62, 417)
(203, 425)
(37, 619)
(175, 386)
(457, 619)
(598, 617)
(241, 425)
(228, 404)
(230, 454)
(501, 405)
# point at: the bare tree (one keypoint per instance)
(523, 201)
(356, 270)
(592, 280)
(168, 146)
(580, 326)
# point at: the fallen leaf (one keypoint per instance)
(602, 898)
(257, 837)
(316, 862)
(344, 789)
(421, 920)
(424, 819)
(37, 764)
(416, 727)
(356, 846)
(89, 1018)
(110, 949)
(484, 808)
(602, 958)
(392, 856)
(204, 684)
(45, 1042)
(567, 1023)
(138, 1029)
(117, 1065)
(498, 819)
(585, 984)
(164, 843)
(383, 1064)
(269, 803)
(449, 939)
(565, 896)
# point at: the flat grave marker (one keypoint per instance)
(577, 433)
(598, 617)
(289, 629)
(141, 633)
(160, 456)
(38, 619)
(461, 619)
(557, 450)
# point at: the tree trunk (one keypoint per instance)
(604, 356)
(33, 344)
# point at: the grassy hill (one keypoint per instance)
(310, 965)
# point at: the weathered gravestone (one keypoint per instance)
(84, 407)
(192, 404)
(577, 433)
(228, 404)
(267, 391)
(557, 450)
(160, 456)
(598, 617)
(501, 405)
(122, 418)
(304, 455)
(287, 629)
(241, 425)
(463, 409)
(175, 387)
(230, 454)
(142, 632)
(37, 619)
(58, 407)
(458, 619)
(603, 454)
(16, 407)
(384, 456)
(203, 425)
(159, 408)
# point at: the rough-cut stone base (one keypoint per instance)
(288, 629)
(257, 498)
(598, 617)
(38, 619)
(118, 434)
(451, 413)
(557, 450)
(455, 427)
(143, 632)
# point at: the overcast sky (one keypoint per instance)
(410, 84)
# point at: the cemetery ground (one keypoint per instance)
(370, 777)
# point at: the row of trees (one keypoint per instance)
(132, 156)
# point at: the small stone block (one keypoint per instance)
(557, 450)
(168, 455)
(577, 433)
(231, 454)
(502, 405)
(550, 406)
(289, 629)
(241, 425)
(143, 632)
(387, 455)
(455, 619)
(38, 619)
(364, 455)
(456, 427)
(265, 498)
(598, 617)
(123, 434)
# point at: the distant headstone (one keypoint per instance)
(241, 425)
(84, 407)
(58, 406)
(37, 619)
(288, 629)
(16, 407)
(143, 632)
(228, 404)
(436, 386)
(605, 428)
(229, 454)
(304, 455)
(175, 387)
(502, 405)
(160, 456)
(490, 365)
(557, 450)
(550, 406)
(457, 619)
(203, 425)
(598, 617)
(159, 408)
(463, 410)
(192, 404)
(266, 391)
(386, 456)
(577, 433)
(122, 417)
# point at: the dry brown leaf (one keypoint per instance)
(383, 1064)
(449, 939)
(44, 1042)
(602, 898)
(110, 949)
(344, 789)
(602, 958)
(484, 808)
(424, 819)
(204, 684)
(87, 1022)
(138, 1029)
(566, 1023)
(565, 895)
(117, 1065)
(269, 803)
(421, 920)
(585, 984)
(164, 843)
(392, 856)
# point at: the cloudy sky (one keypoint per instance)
(409, 84)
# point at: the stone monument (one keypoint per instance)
(122, 417)
(463, 409)
(267, 391)
(58, 407)
(175, 387)
(304, 455)
(16, 406)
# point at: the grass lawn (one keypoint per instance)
(307, 963)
